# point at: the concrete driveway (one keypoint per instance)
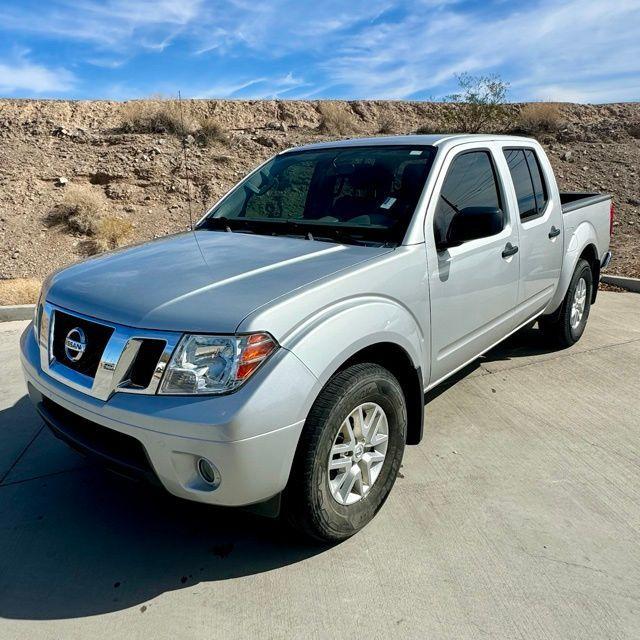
(517, 517)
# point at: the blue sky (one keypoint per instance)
(573, 50)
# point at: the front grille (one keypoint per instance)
(146, 362)
(97, 335)
(117, 450)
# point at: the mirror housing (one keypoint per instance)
(472, 223)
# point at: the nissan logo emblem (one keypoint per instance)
(75, 344)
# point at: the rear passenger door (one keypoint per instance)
(473, 286)
(541, 228)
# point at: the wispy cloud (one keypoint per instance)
(19, 74)
(544, 45)
(266, 87)
(579, 49)
(123, 24)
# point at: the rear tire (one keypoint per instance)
(356, 406)
(567, 327)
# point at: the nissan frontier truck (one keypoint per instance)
(279, 353)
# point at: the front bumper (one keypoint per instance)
(250, 435)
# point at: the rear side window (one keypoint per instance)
(528, 182)
(470, 182)
(539, 187)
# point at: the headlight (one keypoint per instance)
(215, 364)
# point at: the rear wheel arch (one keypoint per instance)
(590, 254)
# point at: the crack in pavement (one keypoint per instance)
(44, 475)
(20, 456)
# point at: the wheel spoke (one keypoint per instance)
(340, 463)
(348, 433)
(343, 447)
(358, 422)
(371, 427)
(348, 481)
(379, 439)
(369, 463)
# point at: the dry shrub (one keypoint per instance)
(19, 291)
(479, 105)
(428, 127)
(539, 117)
(157, 116)
(83, 212)
(335, 119)
(111, 232)
(79, 211)
(386, 125)
(211, 131)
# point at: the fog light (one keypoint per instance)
(208, 473)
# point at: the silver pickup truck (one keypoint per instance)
(278, 355)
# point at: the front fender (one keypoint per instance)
(326, 340)
(581, 237)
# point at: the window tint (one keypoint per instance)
(331, 189)
(528, 181)
(539, 187)
(522, 182)
(288, 193)
(470, 182)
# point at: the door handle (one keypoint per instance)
(509, 250)
(554, 232)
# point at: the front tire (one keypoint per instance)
(569, 325)
(349, 454)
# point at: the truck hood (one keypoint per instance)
(205, 281)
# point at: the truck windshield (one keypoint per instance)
(363, 195)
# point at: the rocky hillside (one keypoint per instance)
(126, 162)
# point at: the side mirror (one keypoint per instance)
(471, 223)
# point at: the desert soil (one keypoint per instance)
(141, 176)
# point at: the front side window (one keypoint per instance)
(528, 182)
(342, 193)
(470, 182)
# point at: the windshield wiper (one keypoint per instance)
(221, 223)
(309, 229)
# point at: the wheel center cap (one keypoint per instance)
(358, 452)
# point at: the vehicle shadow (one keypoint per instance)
(528, 341)
(78, 542)
(82, 542)
(525, 343)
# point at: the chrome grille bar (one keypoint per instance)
(112, 375)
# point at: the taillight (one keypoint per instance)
(612, 212)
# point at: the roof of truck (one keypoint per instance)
(432, 140)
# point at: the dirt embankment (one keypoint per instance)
(48, 147)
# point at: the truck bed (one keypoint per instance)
(588, 211)
(572, 200)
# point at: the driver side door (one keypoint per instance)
(473, 286)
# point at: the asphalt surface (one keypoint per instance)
(517, 517)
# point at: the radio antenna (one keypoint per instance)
(186, 160)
